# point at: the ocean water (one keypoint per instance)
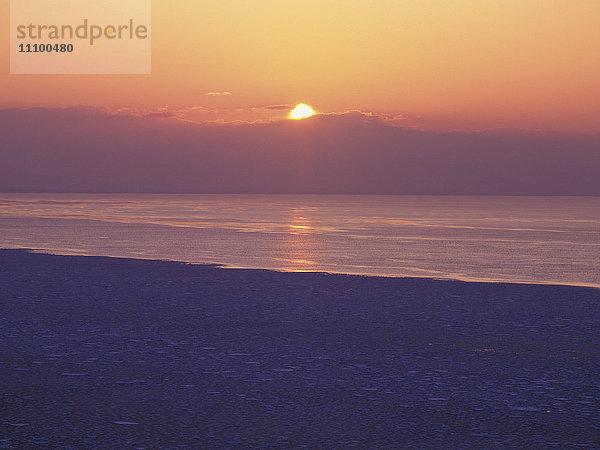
(552, 240)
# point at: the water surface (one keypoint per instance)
(514, 239)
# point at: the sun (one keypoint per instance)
(301, 111)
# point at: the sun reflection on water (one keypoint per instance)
(299, 245)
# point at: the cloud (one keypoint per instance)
(278, 107)
(390, 119)
(163, 112)
(95, 150)
(249, 115)
(218, 94)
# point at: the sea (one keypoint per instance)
(542, 240)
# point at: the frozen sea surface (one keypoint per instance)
(103, 352)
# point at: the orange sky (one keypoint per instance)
(466, 64)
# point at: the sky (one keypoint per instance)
(431, 64)
(412, 97)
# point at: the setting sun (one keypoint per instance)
(301, 111)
